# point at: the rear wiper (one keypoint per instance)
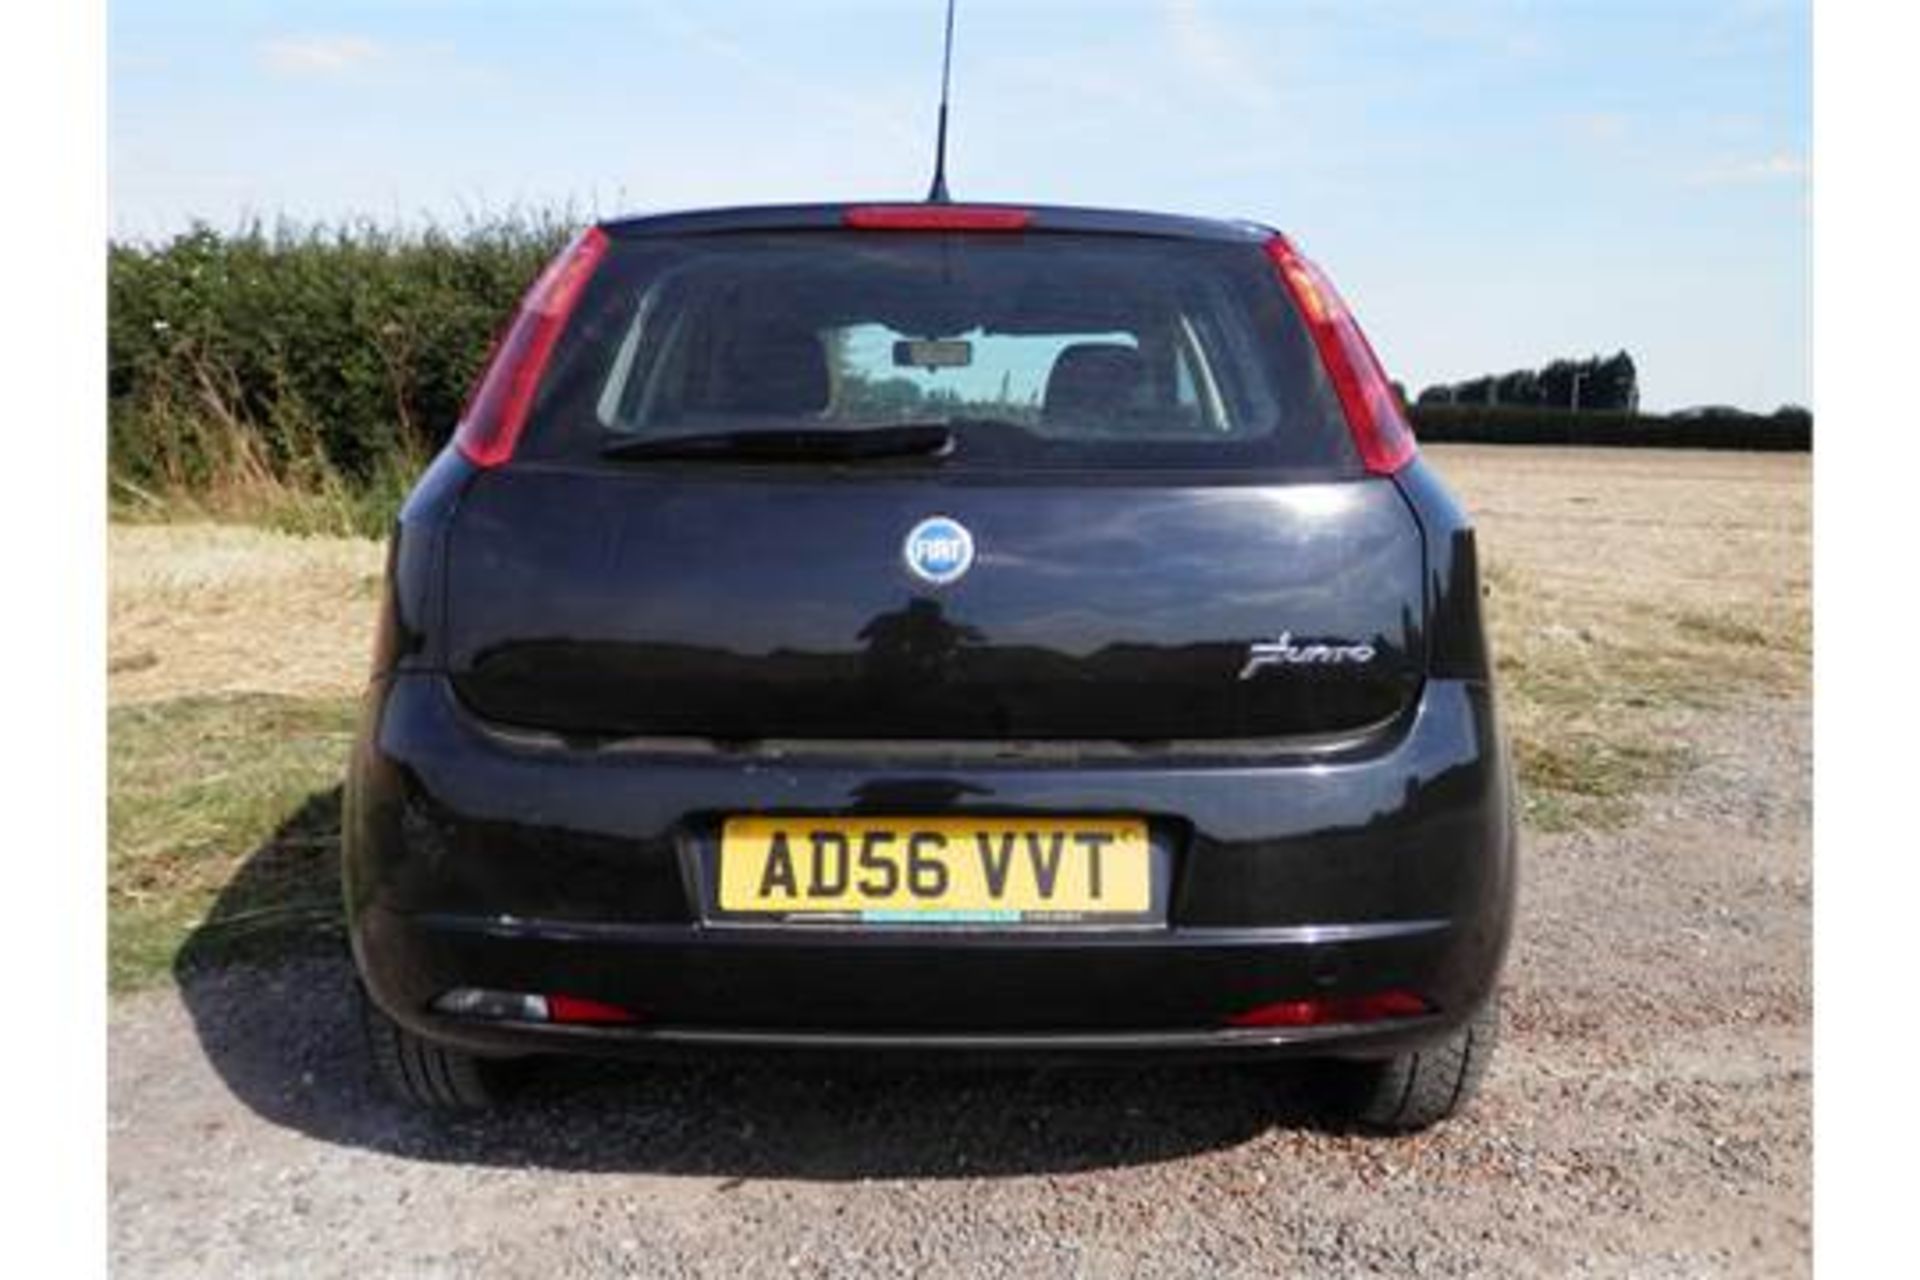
(897, 440)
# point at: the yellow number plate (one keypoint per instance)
(936, 870)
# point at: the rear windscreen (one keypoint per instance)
(1038, 350)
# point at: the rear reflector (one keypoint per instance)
(497, 411)
(1380, 430)
(577, 1009)
(936, 217)
(1330, 1010)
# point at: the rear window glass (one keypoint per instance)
(1043, 349)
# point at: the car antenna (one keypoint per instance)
(938, 193)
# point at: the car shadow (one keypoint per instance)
(269, 987)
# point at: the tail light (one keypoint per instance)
(936, 217)
(1331, 1010)
(1380, 430)
(502, 398)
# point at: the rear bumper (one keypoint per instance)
(480, 859)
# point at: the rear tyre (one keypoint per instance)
(1418, 1089)
(426, 1074)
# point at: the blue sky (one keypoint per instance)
(1491, 183)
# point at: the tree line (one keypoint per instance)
(1595, 384)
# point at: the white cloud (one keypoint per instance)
(319, 55)
(1206, 51)
(1782, 166)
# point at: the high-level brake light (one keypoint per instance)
(936, 217)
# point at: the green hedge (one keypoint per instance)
(340, 348)
(1497, 424)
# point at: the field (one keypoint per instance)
(1652, 624)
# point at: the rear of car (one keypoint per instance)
(935, 628)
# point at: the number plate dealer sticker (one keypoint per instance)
(961, 871)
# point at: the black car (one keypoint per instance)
(960, 629)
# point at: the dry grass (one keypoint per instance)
(233, 658)
(199, 609)
(1625, 588)
(223, 821)
(204, 458)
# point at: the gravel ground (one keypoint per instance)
(1649, 1115)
